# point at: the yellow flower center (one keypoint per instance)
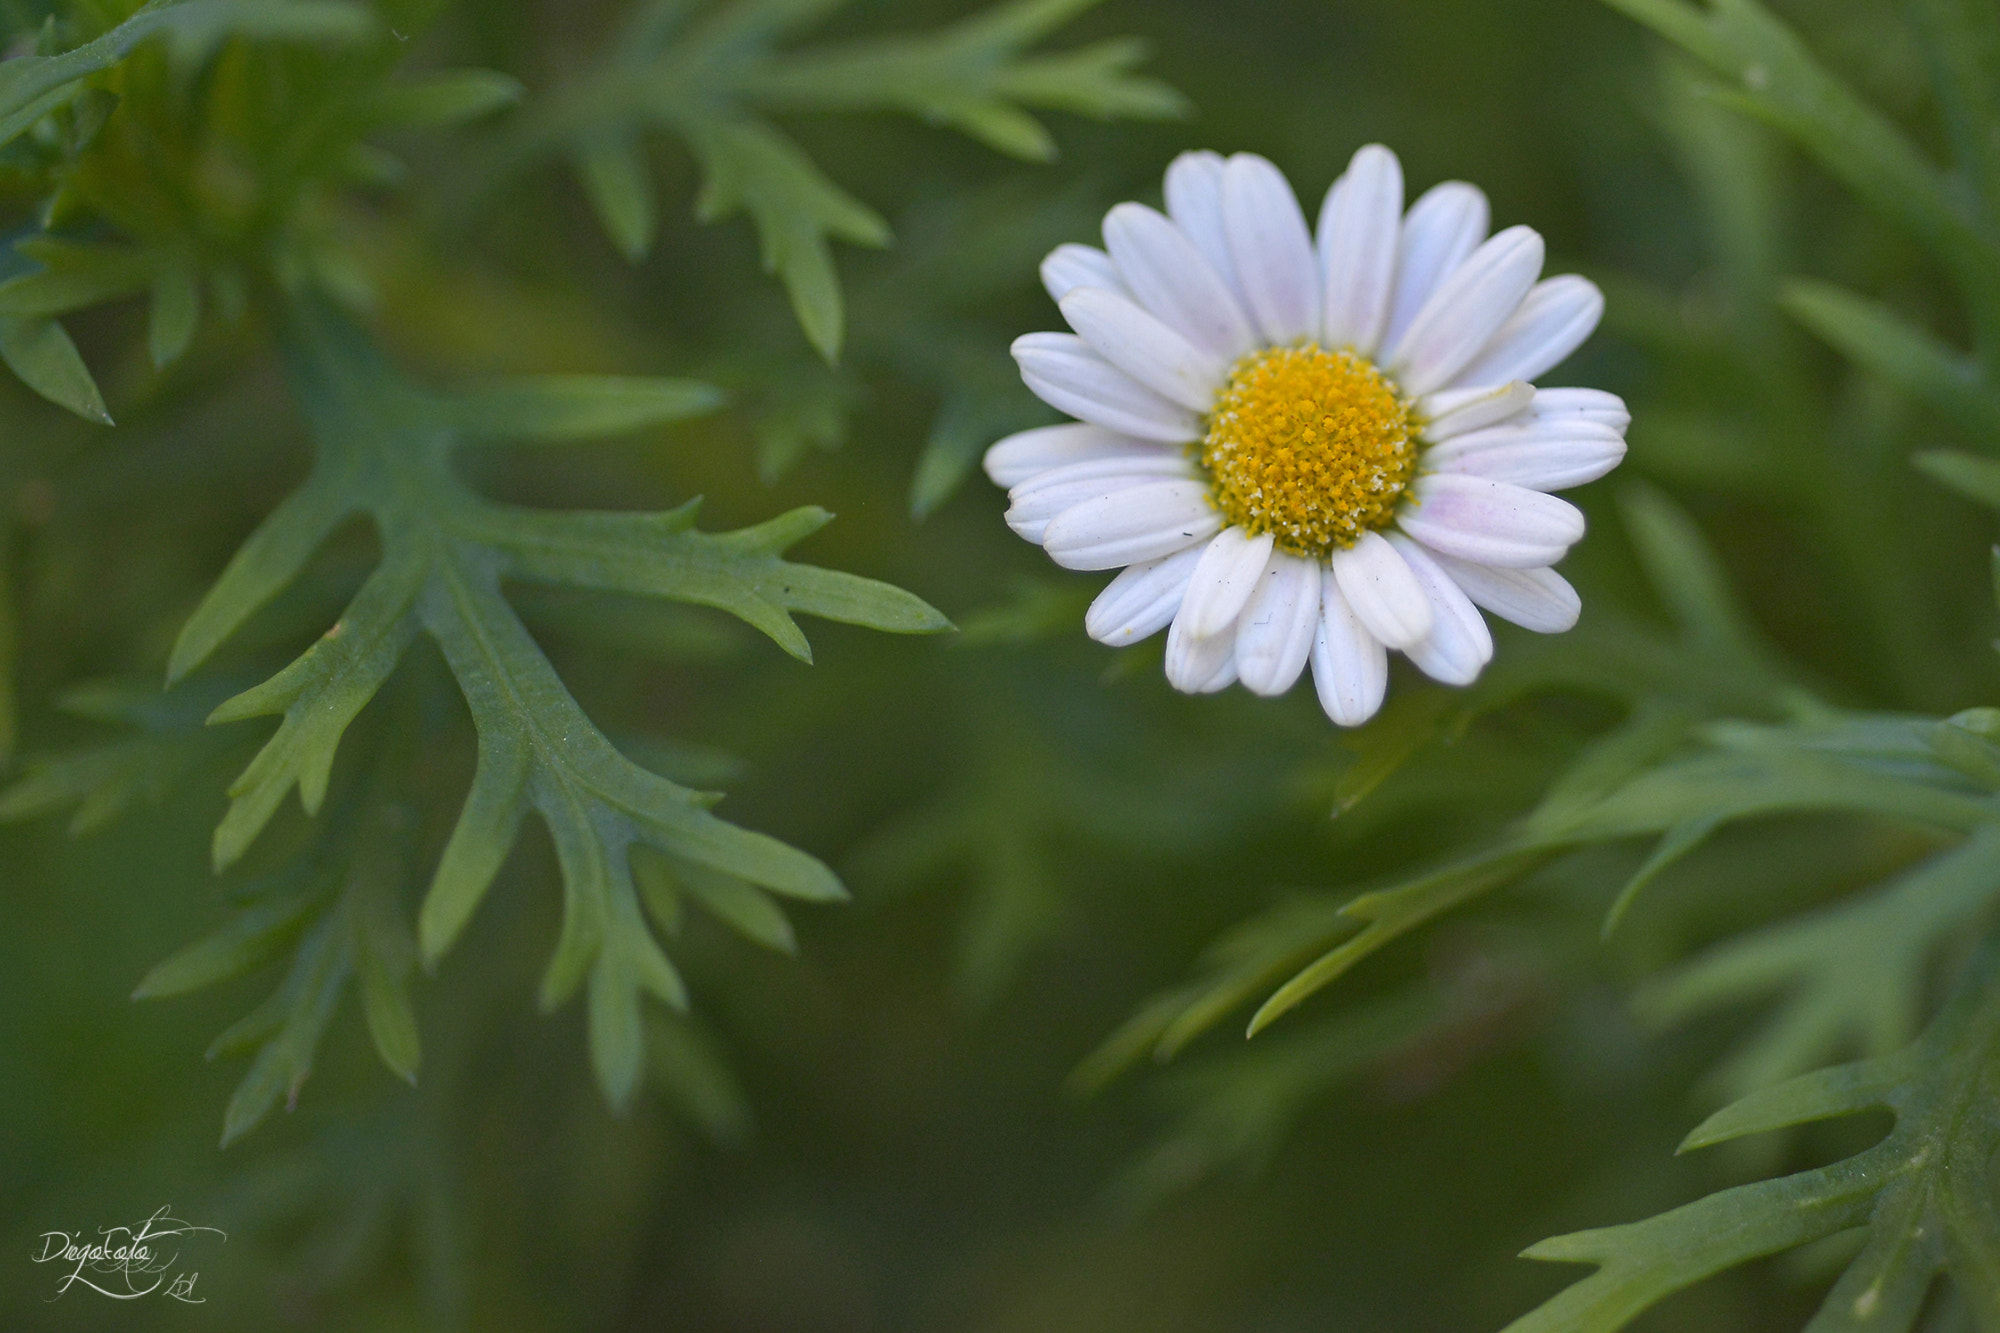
(1311, 446)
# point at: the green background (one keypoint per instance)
(1038, 834)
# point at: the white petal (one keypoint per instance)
(1358, 228)
(1271, 250)
(1167, 273)
(1490, 522)
(1552, 322)
(1066, 374)
(1540, 456)
(1070, 266)
(1381, 590)
(1350, 666)
(1606, 409)
(1450, 412)
(1144, 523)
(1194, 202)
(1157, 462)
(1465, 311)
(1141, 345)
(1459, 644)
(1223, 581)
(1020, 456)
(1444, 226)
(1141, 600)
(1274, 635)
(1536, 599)
(1199, 664)
(1223, 677)
(1036, 502)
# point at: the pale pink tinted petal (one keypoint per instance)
(1459, 645)
(1035, 502)
(1536, 599)
(1144, 523)
(1465, 311)
(1194, 202)
(1358, 229)
(1141, 345)
(1070, 266)
(1198, 664)
(1381, 590)
(1490, 522)
(1168, 275)
(1223, 581)
(1062, 371)
(1274, 635)
(1350, 667)
(1450, 412)
(1606, 409)
(1443, 227)
(1552, 322)
(1020, 456)
(1271, 250)
(1141, 600)
(1541, 457)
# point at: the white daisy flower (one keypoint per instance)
(1310, 449)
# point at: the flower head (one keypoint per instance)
(1310, 448)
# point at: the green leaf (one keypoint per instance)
(275, 554)
(318, 695)
(1923, 1193)
(1906, 356)
(660, 555)
(1234, 1111)
(29, 85)
(620, 189)
(561, 408)
(385, 953)
(1389, 913)
(1769, 73)
(1973, 477)
(443, 98)
(245, 940)
(106, 779)
(1962, 39)
(73, 275)
(1966, 741)
(1676, 843)
(297, 1017)
(972, 76)
(384, 450)
(46, 360)
(1683, 567)
(738, 904)
(748, 165)
(710, 83)
(1828, 1001)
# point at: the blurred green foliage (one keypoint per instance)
(407, 405)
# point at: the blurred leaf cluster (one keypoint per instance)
(424, 324)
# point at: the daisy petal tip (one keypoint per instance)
(1275, 633)
(1382, 591)
(1350, 667)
